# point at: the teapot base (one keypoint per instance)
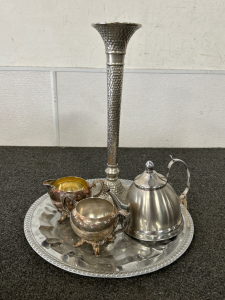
(153, 236)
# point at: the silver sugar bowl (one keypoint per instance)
(154, 206)
(95, 220)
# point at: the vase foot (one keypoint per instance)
(117, 188)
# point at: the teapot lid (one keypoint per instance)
(150, 179)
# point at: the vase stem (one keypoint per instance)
(115, 37)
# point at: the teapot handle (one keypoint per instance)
(183, 195)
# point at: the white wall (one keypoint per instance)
(161, 109)
(26, 109)
(175, 34)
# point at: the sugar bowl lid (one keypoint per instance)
(150, 179)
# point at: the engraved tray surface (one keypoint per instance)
(125, 257)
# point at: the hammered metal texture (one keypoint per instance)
(117, 188)
(115, 81)
(116, 36)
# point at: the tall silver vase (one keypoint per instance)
(116, 37)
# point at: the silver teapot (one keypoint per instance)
(154, 206)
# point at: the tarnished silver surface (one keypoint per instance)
(116, 37)
(70, 190)
(125, 257)
(95, 220)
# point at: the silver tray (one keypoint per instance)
(125, 257)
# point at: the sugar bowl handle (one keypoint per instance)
(126, 216)
(183, 195)
(71, 202)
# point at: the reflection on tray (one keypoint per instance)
(124, 254)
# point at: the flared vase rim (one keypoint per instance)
(117, 24)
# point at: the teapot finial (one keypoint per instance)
(149, 166)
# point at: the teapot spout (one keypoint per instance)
(117, 202)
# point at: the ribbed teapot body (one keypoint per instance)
(155, 214)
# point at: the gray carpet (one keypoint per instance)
(198, 274)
